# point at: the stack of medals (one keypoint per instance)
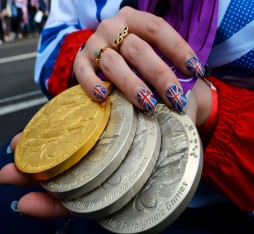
(133, 171)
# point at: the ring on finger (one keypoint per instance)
(120, 38)
(98, 52)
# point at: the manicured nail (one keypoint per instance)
(9, 150)
(146, 99)
(195, 67)
(14, 207)
(100, 92)
(176, 97)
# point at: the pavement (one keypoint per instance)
(20, 97)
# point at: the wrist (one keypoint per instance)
(207, 127)
(203, 94)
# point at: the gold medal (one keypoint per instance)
(61, 133)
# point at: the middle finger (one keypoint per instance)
(117, 71)
(141, 56)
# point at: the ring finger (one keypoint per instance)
(140, 54)
(116, 70)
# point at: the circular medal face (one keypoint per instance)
(129, 177)
(60, 134)
(172, 184)
(105, 156)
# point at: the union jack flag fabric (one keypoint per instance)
(195, 67)
(232, 55)
(100, 92)
(146, 99)
(176, 97)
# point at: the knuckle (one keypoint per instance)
(158, 73)
(79, 71)
(125, 12)
(179, 45)
(105, 25)
(107, 60)
(134, 49)
(87, 80)
(77, 66)
(155, 25)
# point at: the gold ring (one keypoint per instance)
(98, 52)
(120, 37)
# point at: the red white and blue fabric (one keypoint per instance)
(68, 27)
(232, 54)
(67, 19)
(67, 23)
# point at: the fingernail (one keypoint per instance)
(176, 97)
(100, 92)
(9, 150)
(195, 67)
(14, 207)
(146, 99)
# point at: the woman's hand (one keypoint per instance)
(37, 204)
(132, 50)
(136, 31)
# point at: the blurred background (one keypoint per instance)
(20, 98)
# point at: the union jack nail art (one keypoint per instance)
(100, 92)
(176, 97)
(146, 99)
(195, 67)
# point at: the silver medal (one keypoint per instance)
(105, 156)
(130, 176)
(172, 184)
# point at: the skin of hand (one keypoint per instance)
(43, 205)
(200, 103)
(36, 204)
(145, 29)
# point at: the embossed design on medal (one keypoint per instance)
(128, 178)
(104, 158)
(60, 134)
(172, 184)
